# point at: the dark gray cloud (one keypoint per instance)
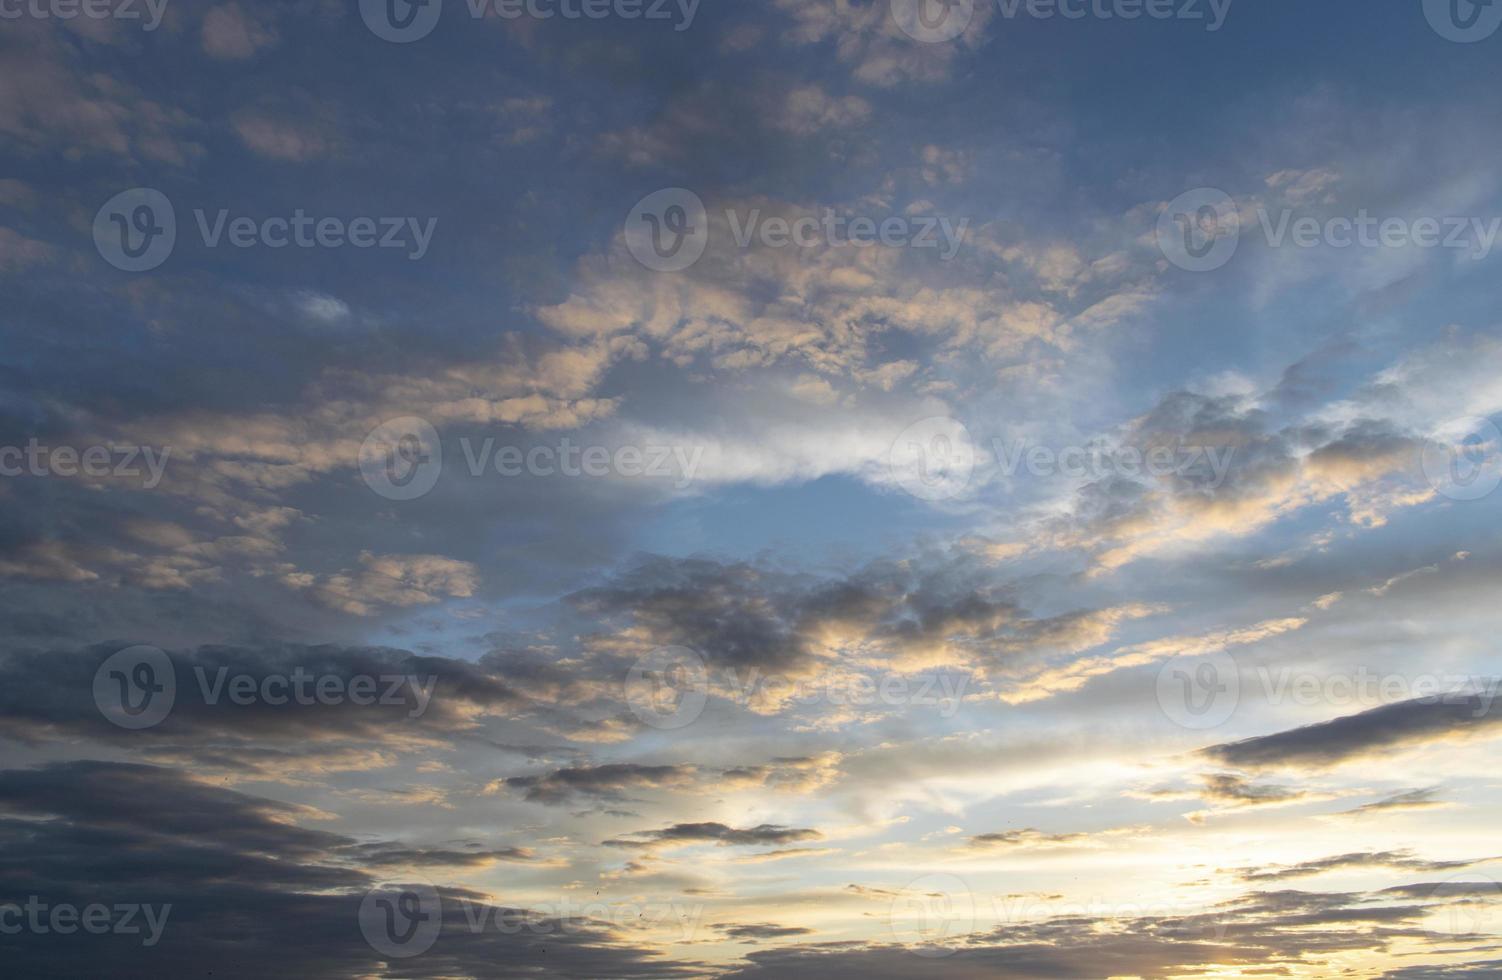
(1399, 860)
(1263, 932)
(252, 893)
(752, 932)
(1414, 799)
(610, 782)
(50, 694)
(718, 833)
(1330, 743)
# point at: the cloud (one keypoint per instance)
(716, 833)
(1400, 860)
(1415, 799)
(614, 783)
(283, 139)
(240, 874)
(232, 34)
(390, 580)
(1402, 725)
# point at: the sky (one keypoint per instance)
(773, 489)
